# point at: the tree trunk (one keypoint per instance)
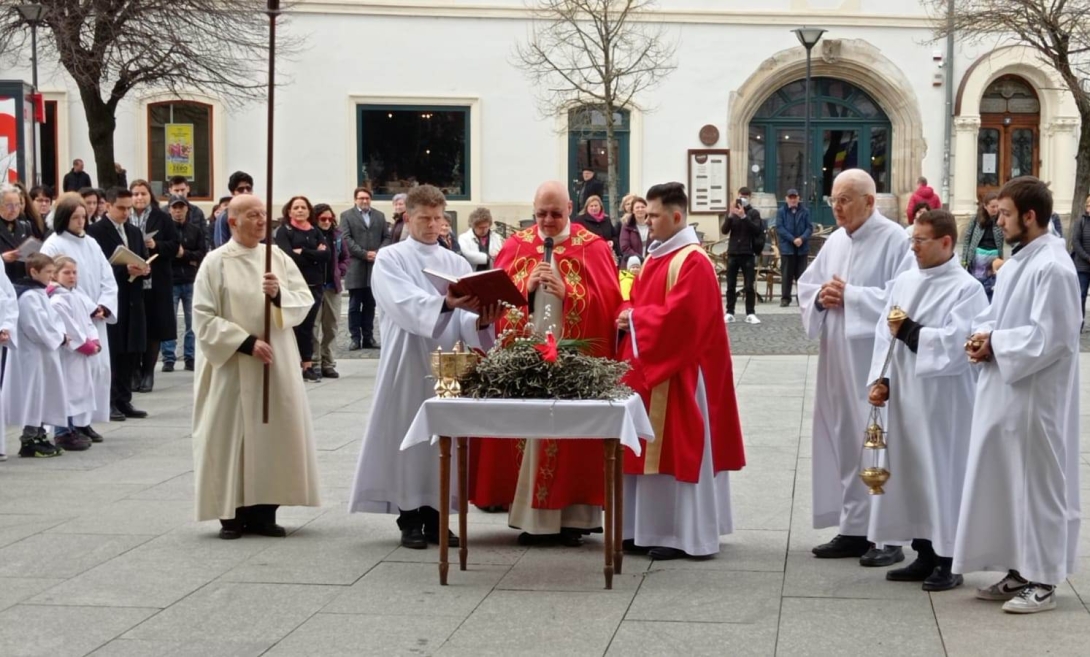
(1082, 173)
(101, 125)
(611, 162)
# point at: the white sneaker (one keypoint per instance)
(728, 318)
(1032, 599)
(752, 319)
(1005, 589)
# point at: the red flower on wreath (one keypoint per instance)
(548, 349)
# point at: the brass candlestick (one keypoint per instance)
(449, 367)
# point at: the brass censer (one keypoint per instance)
(874, 465)
(449, 367)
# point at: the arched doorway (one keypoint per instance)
(848, 130)
(1008, 143)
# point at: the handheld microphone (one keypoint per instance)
(548, 250)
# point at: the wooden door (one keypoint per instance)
(1007, 147)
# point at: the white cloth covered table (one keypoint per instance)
(531, 418)
(616, 423)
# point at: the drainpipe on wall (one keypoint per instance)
(948, 128)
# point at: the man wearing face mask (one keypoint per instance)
(746, 230)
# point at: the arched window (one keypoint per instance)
(180, 144)
(1008, 144)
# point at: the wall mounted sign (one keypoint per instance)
(709, 181)
(709, 135)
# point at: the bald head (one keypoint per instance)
(552, 208)
(853, 198)
(246, 216)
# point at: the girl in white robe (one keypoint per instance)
(80, 358)
(34, 392)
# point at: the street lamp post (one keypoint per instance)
(32, 14)
(808, 37)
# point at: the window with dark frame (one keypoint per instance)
(401, 146)
(199, 115)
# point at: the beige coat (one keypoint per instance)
(238, 460)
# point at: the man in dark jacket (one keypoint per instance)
(591, 187)
(191, 250)
(179, 186)
(365, 232)
(77, 178)
(239, 183)
(128, 336)
(744, 225)
(793, 228)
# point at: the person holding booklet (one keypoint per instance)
(416, 319)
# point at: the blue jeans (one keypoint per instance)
(63, 431)
(182, 292)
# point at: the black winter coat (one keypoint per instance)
(129, 334)
(159, 300)
(312, 261)
(194, 248)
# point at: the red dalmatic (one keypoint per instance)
(677, 322)
(570, 471)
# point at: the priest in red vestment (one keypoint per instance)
(554, 488)
(677, 492)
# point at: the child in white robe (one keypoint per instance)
(9, 318)
(80, 359)
(34, 392)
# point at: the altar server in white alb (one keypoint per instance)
(416, 319)
(79, 358)
(842, 296)
(1020, 509)
(9, 320)
(96, 282)
(35, 392)
(929, 387)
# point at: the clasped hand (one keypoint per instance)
(623, 318)
(831, 295)
(979, 347)
(544, 276)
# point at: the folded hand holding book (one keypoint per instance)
(491, 286)
(123, 257)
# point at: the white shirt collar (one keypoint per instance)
(682, 238)
(563, 235)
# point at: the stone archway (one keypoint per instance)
(1059, 123)
(852, 60)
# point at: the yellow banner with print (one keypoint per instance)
(179, 150)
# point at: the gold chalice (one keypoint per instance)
(449, 367)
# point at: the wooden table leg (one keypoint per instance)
(444, 507)
(618, 506)
(609, 493)
(463, 500)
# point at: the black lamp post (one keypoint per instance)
(32, 14)
(808, 37)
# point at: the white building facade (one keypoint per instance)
(393, 92)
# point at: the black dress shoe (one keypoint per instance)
(168, 367)
(413, 539)
(369, 344)
(116, 415)
(266, 529)
(917, 571)
(942, 580)
(843, 547)
(433, 538)
(311, 374)
(189, 365)
(230, 534)
(95, 436)
(666, 553)
(629, 546)
(354, 345)
(785, 303)
(129, 411)
(882, 557)
(146, 384)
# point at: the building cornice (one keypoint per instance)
(450, 9)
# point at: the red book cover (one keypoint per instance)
(491, 286)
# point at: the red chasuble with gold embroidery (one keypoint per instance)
(678, 330)
(571, 470)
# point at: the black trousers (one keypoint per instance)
(304, 332)
(793, 266)
(747, 264)
(361, 315)
(425, 517)
(148, 359)
(122, 366)
(256, 515)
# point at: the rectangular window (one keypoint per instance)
(756, 178)
(790, 158)
(879, 159)
(402, 146)
(180, 143)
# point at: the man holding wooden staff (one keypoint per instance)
(245, 468)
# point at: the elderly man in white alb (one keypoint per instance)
(842, 296)
(416, 319)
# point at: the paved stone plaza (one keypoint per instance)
(99, 555)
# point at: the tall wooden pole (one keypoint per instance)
(273, 11)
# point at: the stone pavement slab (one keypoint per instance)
(102, 544)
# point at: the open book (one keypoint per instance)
(29, 247)
(491, 286)
(123, 256)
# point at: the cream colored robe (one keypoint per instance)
(238, 460)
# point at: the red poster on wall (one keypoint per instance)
(9, 140)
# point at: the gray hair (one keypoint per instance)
(480, 216)
(400, 197)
